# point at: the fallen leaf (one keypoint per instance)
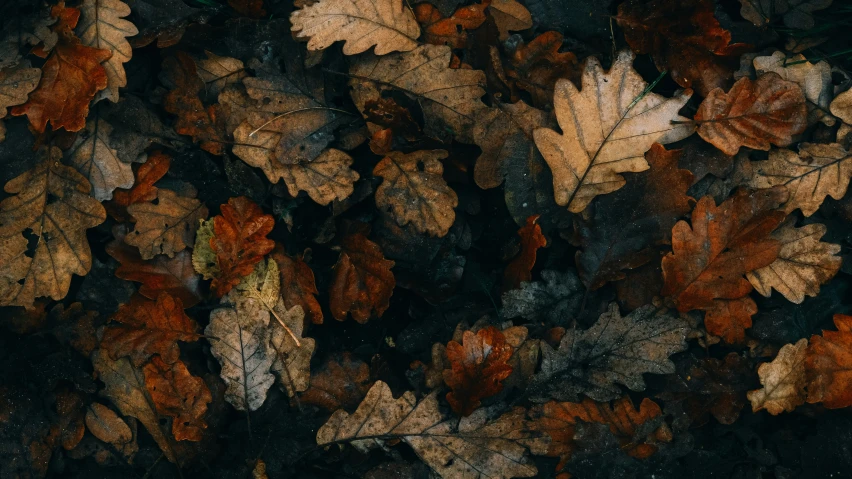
(813, 78)
(509, 15)
(102, 27)
(706, 268)
(817, 171)
(70, 425)
(147, 328)
(340, 383)
(16, 83)
(452, 30)
(797, 13)
(51, 201)
(167, 227)
(363, 282)
(804, 263)
(143, 190)
(180, 395)
(387, 24)
(105, 425)
(519, 270)
(477, 369)
(753, 114)
(239, 241)
(71, 77)
(218, 72)
(558, 296)
(538, 65)
(598, 143)
(92, 155)
(292, 361)
(298, 287)
(841, 107)
(616, 349)
(414, 191)
(783, 381)
(828, 363)
(472, 448)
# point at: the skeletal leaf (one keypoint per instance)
(388, 24)
(783, 381)
(102, 26)
(167, 227)
(16, 83)
(804, 263)
(292, 361)
(93, 156)
(606, 129)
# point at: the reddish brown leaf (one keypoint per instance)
(451, 31)
(705, 270)
(71, 77)
(143, 189)
(193, 119)
(381, 143)
(683, 37)
(298, 287)
(239, 241)
(520, 269)
(828, 365)
(147, 328)
(174, 276)
(538, 64)
(387, 113)
(178, 394)
(478, 367)
(69, 409)
(363, 282)
(341, 383)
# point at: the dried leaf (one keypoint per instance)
(105, 425)
(75, 327)
(147, 328)
(783, 381)
(509, 15)
(538, 65)
(478, 367)
(553, 300)
(363, 282)
(414, 191)
(93, 156)
(218, 72)
(16, 83)
(102, 27)
(706, 268)
(51, 201)
(341, 383)
(239, 241)
(154, 168)
(472, 449)
(292, 361)
(178, 394)
(298, 287)
(450, 31)
(617, 349)
(606, 129)
(387, 24)
(841, 107)
(753, 114)
(796, 13)
(182, 100)
(167, 227)
(814, 79)
(828, 363)
(520, 269)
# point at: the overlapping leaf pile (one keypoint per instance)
(563, 254)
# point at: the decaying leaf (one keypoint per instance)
(298, 287)
(239, 241)
(292, 361)
(182, 100)
(555, 299)
(796, 13)
(93, 156)
(414, 191)
(146, 328)
(706, 268)
(178, 394)
(817, 171)
(606, 129)
(102, 27)
(753, 114)
(478, 365)
(473, 448)
(616, 349)
(813, 78)
(828, 365)
(363, 282)
(167, 227)
(783, 381)
(341, 383)
(804, 263)
(52, 202)
(520, 269)
(538, 65)
(16, 83)
(154, 168)
(388, 24)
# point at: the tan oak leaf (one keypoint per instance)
(292, 361)
(102, 26)
(814, 78)
(783, 381)
(167, 227)
(16, 83)
(510, 15)
(218, 72)
(93, 156)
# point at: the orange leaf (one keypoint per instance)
(193, 119)
(71, 77)
(706, 268)
(478, 368)
(363, 282)
(753, 114)
(538, 64)
(520, 269)
(143, 188)
(239, 241)
(828, 365)
(180, 395)
(341, 383)
(298, 287)
(449, 31)
(147, 328)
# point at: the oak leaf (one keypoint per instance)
(143, 190)
(477, 368)
(509, 15)
(841, 107)
(753, 114)
(167, 227)
(388, 24)
(102, 27)
(363, 282)
(606, 129)
(414, 191)
(71, 77)
(804, 263)
(796, 13)
(105, 425)
(538, 65)
(452, 30)
(783, 381)
(828, 365)
(558, 296)
(705, 270)
(816, 172)
(813, 78)
(292, 351)
(147, 328)
(180, 395)
(340, 383)
(16, 83)
(52, 202)
(471, 448)
(298, 287)
(93, 156)
(218, 72)
(239, 241)
(519, 270)
(616, 349)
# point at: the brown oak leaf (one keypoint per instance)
(828, 365)
(341, 383)
(16, 83)
(239, 241)
(298, 287)
(178, 394)
(538, 64)
(363, 282)
(783, 380)
(167, 227)
(143, 189)
(520, 269)
(450, 31)
(478, 367)
(705, 270)
(182, 100)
